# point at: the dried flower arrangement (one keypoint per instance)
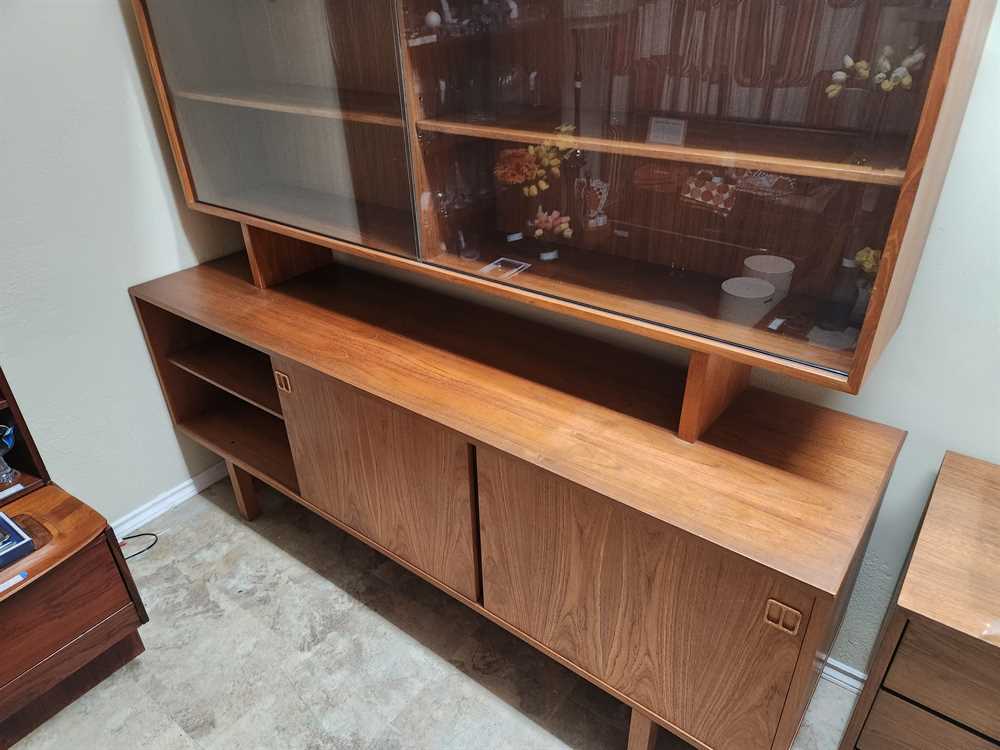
(532, 167)
(550, 225)
(868, 260)
(888, 76)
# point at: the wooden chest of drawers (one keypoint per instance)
(74, 617)
(934, 681)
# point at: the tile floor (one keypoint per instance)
(287, 633)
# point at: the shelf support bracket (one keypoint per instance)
(275, 258)
(713, 382)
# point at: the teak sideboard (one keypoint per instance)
(538, 477)
(751, 181)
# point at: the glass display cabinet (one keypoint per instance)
(289, 113)
(736, 176)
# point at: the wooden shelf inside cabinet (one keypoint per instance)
(255, 441)
(314, 101)
(653, 293)
(787, 150)
(368, 224)
(236, 369)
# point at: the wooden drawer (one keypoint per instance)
(956, 676)
(59, 607)
(896, 724)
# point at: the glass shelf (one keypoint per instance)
(315, 101)
(288, 113)
(789, 150)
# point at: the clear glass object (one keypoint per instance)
(291, 110)
(8, 475)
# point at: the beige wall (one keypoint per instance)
(89, 205)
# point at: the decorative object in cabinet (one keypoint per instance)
(18, 450)
(934, 677)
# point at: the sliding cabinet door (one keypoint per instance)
(669, 620)
(401, 480)
(290, 110)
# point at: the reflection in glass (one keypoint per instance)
(728, 168)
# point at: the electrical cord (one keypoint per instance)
(144, 549)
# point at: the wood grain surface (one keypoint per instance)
(953, 574)
(895, 724)
(952, 674)
(68, 525)
(712, 384)
(78, 594)
(397, 478)
(676, 624)
(592, 413)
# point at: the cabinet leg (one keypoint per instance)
(641, 732)
(246, 493)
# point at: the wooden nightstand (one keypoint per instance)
(72, 621)
(934, 680)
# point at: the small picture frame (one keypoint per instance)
(669, 131)
(504, 268)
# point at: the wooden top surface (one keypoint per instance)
(790, 485)
(954, 573)
(61, 526)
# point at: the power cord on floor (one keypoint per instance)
(144, 549)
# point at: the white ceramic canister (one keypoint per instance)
(772, 268)
(746, 300)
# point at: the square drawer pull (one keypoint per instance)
(283, 382)
(782, 617)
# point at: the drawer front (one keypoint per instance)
(956, 676)
(696, 635)
(61, 606)
(896, 724)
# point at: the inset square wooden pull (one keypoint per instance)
(283, 382)
(781, 616)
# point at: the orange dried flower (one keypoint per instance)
(515, 166)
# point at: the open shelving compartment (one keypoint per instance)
(221, 394)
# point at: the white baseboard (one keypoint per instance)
(169, 499)
(844, 675)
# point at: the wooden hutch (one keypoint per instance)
(750, 180)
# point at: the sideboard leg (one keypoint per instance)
(246, 493)
(641, 732)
